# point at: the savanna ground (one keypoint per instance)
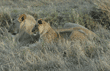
(93, 55)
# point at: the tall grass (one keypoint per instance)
(67, 56)
(92, 55)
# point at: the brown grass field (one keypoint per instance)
(93, 55)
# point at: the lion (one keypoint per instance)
(22, 29)
(24, 23)
(72, 33)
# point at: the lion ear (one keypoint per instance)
(40, 21)
(22, 18)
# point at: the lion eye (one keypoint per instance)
(40, 22)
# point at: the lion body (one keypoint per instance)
(77, 33)
(49, 34)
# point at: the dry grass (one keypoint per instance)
(104, 5)
(93, 55)
(69, 55)
(103, 12)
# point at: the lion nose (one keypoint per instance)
(33, 30)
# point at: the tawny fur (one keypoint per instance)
(49, 34)
(46, 31)
(24, 23)
(27, 23)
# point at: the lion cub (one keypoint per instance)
(49, 34)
